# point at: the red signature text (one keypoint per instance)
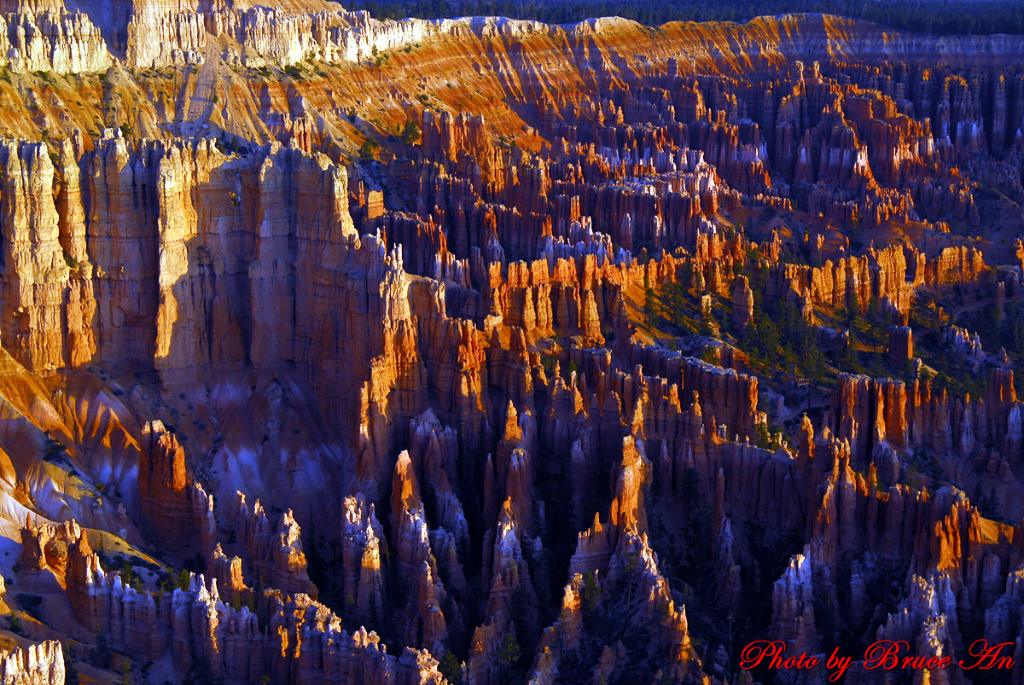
(770, 654)
(886, 655)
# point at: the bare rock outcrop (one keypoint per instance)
(35, 664)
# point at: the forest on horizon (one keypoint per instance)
(949, 17)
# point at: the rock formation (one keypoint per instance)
(305, 351)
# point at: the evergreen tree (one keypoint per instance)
(411, 133)
(102, 655)
(70, 672)
(990, 505)
(451, 669)
(509, 655)
(201, 673)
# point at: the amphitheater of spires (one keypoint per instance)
(484, 351)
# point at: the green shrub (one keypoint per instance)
(368, 150)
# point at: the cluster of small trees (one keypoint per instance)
(370, 149)
(988, 504)
(953, 373)
(780, 338)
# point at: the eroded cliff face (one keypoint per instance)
(35, 663)
(516, 394)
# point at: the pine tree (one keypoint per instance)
(70, 672)
(990, 505)
(103, 653)
(508, 658)
(451, 669)
(411, 133)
